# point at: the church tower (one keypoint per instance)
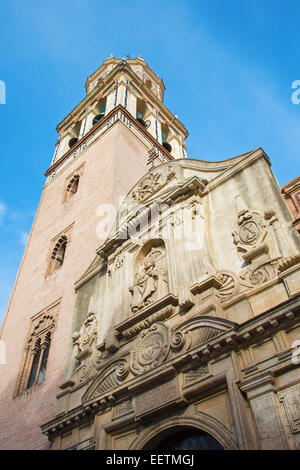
(157, 304)
(115, 134)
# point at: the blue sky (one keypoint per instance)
(228, 66)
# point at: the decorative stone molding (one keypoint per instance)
(229, 285)
(109, 378)
(291, 399)
(41, 330)
(84, 339)
(149, 185)
(198, 331)
(151, 349)
(286, 263)
(158, 316)
(258, 274)
(197, 373)
(250, 230)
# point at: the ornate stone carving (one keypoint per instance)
(250, 230)
(162, 314)
(86, 336)
(291, 399)
(171, 173)
(229, 287)
(119, 261)
(287, 263)
(197, 373)
(152, 347)
(122, 408)
(198, 331)
(149, 184)
(161, 397)
(151, 280)
(108, 379)
(255, 276)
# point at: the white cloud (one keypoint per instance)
(2, 211)
(23, 238)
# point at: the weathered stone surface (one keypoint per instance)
(185, 311)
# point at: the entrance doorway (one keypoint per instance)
(188, 439)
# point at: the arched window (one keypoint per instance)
(142, 113)
(100, 111)
(165, 135)
(39, 361)
(73, 185)
(36, 352)
(75, 134)
(58, 253)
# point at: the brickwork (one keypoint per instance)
(112, 166)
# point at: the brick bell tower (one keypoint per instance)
(105, 146)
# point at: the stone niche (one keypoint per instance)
(151, 281)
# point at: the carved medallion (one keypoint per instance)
(249, 232)
(152, 347)
(149, 184)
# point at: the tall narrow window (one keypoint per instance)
(73, 185)
(35, 363)
(42, 370)
(36, 354)
(39, 362)
(58, 253)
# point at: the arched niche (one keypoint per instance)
(151, 281)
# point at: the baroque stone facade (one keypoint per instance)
(188, 316)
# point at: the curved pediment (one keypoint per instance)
(109, 378)
(199, 330)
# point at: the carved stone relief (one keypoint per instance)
(229, 287)
(250, 230)
(162, 314)
(109, 378)
(151, 280)
(86, 336)
(257, 275)
(197, 373)
(198, 331)
(151, 183)
(151, 348)
(122, 409)
(291, 399)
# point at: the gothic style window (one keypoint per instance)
(58, 253)
(39, 361)
(57, 250)
(72, 183)
(37, 349)
(72, 187)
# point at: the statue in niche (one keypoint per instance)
(151, 280)
(85, 337)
